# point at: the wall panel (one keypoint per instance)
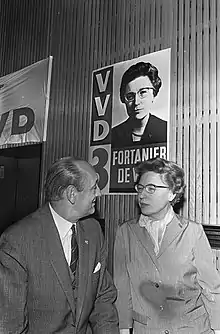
(197, 110)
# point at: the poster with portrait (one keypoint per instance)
(130, 108)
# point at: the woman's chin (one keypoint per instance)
(145, 212)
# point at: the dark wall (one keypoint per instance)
(25, 33)
(19, 183)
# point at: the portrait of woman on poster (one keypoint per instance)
(163, 263)
(140, 84)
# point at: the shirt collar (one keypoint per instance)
(62, 224)
(145, 221)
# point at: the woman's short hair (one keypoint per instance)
(61, 174)
(170, 172)
(138, 70)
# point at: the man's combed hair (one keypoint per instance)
(137, 70)
(170, 172)
(62, 173)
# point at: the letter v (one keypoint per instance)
(101, 110)
(102, 85)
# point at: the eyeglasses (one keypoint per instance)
(150, 188)
(142, 93)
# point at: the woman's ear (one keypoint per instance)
(71, 194)
(171, 196)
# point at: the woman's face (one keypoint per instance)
(154, 205)
(139, 107)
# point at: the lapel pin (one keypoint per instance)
(86, 241)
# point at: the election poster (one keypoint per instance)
(24, 103)
(130, 107)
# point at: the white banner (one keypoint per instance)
(24, 103)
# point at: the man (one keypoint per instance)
(40, 292)
(139, 86)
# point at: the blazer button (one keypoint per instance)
(156, 285)
(166, 331)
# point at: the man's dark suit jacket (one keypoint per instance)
(36, 295)
(155, 132)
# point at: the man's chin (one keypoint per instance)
(92, 210)
(89, 213)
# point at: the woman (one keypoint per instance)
(139, 86)
(164, 271)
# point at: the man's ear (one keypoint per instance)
(71, 194)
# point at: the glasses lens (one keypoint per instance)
(150, 188)
(139, 188)
(144, 92)
(129, 97)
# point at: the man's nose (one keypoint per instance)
(98, 192)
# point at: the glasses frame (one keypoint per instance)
(138, 93)
(146, 188)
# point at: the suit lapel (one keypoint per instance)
(150, 134)
(172, 231)
(57, 256)
(147, 135)
(145, 239)
(84, 263)
(127, 133)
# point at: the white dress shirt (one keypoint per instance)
(65, 232)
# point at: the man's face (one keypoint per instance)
(86, 199)
(139, 97)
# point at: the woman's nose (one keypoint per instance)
(136, 99)
(142, 194)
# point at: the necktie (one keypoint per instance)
(74, 251)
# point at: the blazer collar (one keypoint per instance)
(59, 263)
(174, 228)
(145, 239)
(56, 255)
